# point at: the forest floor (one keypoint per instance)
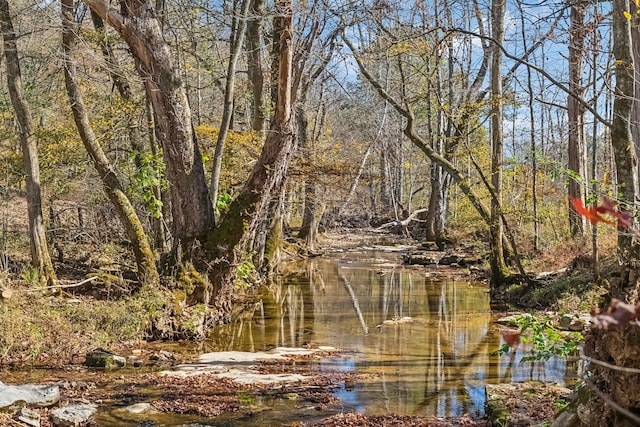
(46, 329)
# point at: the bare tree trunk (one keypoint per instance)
(498, 265)
(227, 112)
(116, 73)
(385, 188)
(532, 136)
(147, 271)
(575, 111)
(354, 183)
(434, 224)
(440, 180)
(309, 227)
(40, 258)
(457, 176)
(158, 220)
(275, 61)
(635, 113)
(247, 212)
(254, 64)
(139, 26)
(619, 346)
(621, 138)
(438, 204)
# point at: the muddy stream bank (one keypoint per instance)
(379, 339)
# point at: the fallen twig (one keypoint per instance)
(71, 285)
(404, 222)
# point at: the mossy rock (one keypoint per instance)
(104, 359)
(105, 278)
(192, 324)
(195, 285)
(577, 413)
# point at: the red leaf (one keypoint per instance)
(609, 207)
(592, 214)
(511, 337)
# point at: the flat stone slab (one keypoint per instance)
(74, 415)
(31, 394)
(141, 408)
(240, 366)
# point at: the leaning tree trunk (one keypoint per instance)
(463, 181)
(40, 258)
(145, 260)
(237, 229)
(619, 346)
(121, 82)
(139, 26)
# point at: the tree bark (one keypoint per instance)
(138, 25)
(635, 113)
(621, 138)
(309, 227)
(158, 220)
(575, 112)
(619, 346)
(145, 260)
(227, 111)
(237, 229)
(307, 139)
(40, 258)
(254, 64)
(498, 265)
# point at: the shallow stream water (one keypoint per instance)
(426, 340)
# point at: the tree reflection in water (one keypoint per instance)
(426, 344)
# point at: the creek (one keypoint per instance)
(421, 342)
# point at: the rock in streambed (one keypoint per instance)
(30, 394)
(241, 366)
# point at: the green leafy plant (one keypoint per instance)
(222, 203)
(560, 404)
(547, 340)
(246, 273)
(31, 275)
(148, 178)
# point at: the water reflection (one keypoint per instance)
(425, 343)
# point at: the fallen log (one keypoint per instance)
(404, 223)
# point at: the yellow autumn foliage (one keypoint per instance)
(241, 149)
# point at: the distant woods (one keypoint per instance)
(221, 131)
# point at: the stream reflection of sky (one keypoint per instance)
(423, 346)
